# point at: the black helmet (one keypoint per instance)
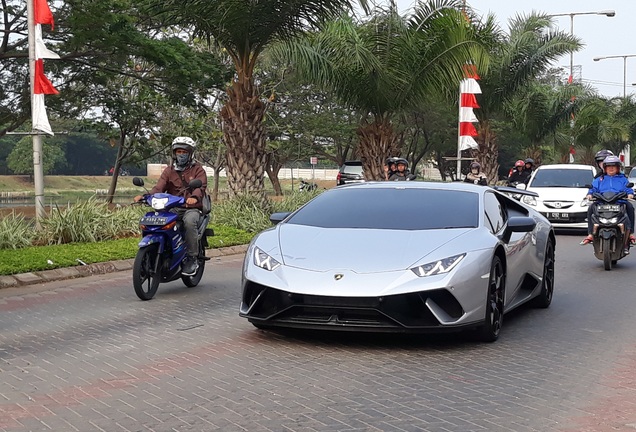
(402, 161)
(601, 155)
(475, 165)
(391, 160)
(530, 161)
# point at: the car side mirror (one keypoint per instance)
(521, 224)
(138, 181)
(195, 183)
(276, 218)
(521, 186)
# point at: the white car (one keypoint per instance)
(562, 189)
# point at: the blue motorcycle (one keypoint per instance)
(162, 247)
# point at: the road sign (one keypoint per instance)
(313, 160)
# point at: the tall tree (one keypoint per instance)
(518, 58)
(244, 29)
(387, 65)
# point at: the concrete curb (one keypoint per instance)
(33, 278)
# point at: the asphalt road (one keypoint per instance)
(87, 355)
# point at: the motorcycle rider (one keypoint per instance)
(529, 166)
(174, 180)
(475, 175)
(599, 158)
(519, 175)
(389, 167)
(402, 173)
(612, 181)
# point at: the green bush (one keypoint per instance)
(295, 200)
(15, 232)
(245, 212)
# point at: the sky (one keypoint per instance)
(601, 35)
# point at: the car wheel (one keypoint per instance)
(544, 298)
(490, 329)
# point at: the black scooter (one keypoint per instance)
(609, 227)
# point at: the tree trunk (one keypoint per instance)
(244, 134)
(218, 165)
(118, 160)
(273, 168)
(377, 142)
(488, 152)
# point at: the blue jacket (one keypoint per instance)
(606, 183)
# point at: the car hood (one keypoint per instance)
(359, 250)
(560, 194)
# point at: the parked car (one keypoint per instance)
(632, 176)
(466, 255)
(350, 172)
(562, 189)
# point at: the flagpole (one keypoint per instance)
(38, 170)
(459, 135)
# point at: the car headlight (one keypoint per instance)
(158, 203)
(438, 267)
(530, 200)
(264, 261)
(608, 221)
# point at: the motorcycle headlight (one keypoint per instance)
(264, 261)
(438, 267)
(158, 203)
(608, 221)
(530, 200)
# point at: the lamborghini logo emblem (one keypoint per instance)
(338, 276)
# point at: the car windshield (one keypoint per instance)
(352, 169)
(568, 178)
(390, 208)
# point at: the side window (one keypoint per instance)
(495, 213)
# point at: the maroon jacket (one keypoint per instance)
(172, 183)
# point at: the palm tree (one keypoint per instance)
(603, 123)
(518, 59)
(386, 65)
(543, 111)
(244, 29)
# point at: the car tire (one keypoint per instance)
(544, 299)
(490, 329)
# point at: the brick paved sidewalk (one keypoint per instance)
(33, 278)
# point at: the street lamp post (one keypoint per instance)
(624, 57)
(607, 13)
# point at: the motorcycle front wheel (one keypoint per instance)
(145, 278)
(607, 254)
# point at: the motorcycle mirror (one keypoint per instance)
(138, 181)
(411, 177)
(196, 183)
(630, 184)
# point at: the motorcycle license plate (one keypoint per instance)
(556, 216)
(609, 208)
(153, 220)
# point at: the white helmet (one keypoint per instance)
(184, 142)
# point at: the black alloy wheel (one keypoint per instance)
(490, 329)
(145, 278)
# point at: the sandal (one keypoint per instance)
(587, 240)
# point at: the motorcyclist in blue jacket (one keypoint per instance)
(612, 181)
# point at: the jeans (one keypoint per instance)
(190, 222)
(629, 208)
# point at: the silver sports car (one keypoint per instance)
(400, 257)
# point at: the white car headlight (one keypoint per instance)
(530, 200)
(264, 261)
(438, 267)
(158, 203)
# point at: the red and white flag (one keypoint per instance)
(467, 101)
(41, 84)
